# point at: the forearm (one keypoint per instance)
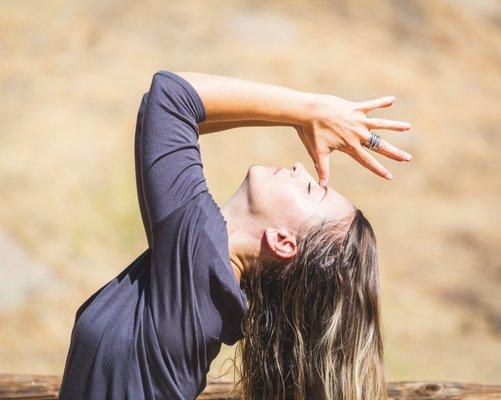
(324, 122)
(251, 103)
(217, 126)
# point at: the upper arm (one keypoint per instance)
(138, 139)
(171, 165)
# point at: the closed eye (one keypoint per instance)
(325, 191)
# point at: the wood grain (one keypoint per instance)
(37, 387)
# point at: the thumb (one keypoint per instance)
(323, 169)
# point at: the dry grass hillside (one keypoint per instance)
(71, 77)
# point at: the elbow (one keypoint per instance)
(186, 75)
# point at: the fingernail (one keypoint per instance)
(322, 182)
(389, 175)
(407, 157)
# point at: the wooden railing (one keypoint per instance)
(36, 387)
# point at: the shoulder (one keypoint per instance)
(198, 219)
(212, 245)
(211, 224)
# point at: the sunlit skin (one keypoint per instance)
(270, 206)
(266, 212)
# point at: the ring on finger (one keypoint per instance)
(373, 141)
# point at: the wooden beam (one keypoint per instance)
(29, 387)
(442, 390)
(37, 387)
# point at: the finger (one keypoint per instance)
(314, 156)
(393, 152)
(370, 105)
(323, 168)
(388, 149)
(381, 123)
(307, 145)
(369, 162)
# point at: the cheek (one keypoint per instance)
(279, 198)
(290, 202)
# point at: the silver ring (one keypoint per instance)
(374, 141)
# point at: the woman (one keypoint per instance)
(304, 255)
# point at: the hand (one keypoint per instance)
(339, 124)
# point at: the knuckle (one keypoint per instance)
(365, 161)
(359, 116)
(351, 145)
(361, 131)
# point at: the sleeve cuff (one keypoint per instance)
(201, 114)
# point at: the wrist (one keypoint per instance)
(306, 109)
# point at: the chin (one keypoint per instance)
(255, 183)
(257, 175)
(260, 170)
(252, 178)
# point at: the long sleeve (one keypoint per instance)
(171, 169)
(138, 139)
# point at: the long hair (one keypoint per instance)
(312, 331)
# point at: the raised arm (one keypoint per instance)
(324, 123)
(217, 126)
(168, 161)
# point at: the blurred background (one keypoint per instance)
(71, 79)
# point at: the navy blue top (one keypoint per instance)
(153, 331)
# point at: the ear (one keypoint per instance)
(281, 243)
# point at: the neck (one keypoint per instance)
(243, 235)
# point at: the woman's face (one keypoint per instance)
(290, 198)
